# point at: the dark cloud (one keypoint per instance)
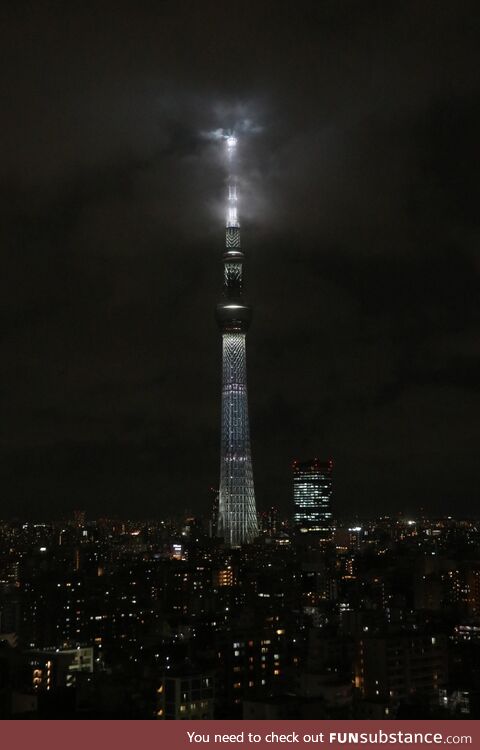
(359, 200)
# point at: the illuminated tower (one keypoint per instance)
(237, 515)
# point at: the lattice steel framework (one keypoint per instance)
(237, 516)
(237, 513)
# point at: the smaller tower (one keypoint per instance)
(312, 497)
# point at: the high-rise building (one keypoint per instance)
(237, 516)
(398, 665)
(185, 693)
(270, 521)
(312, 496)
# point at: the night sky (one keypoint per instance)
(359, 127)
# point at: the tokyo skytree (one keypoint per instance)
(237, 515)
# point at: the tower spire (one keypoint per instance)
(232, 217)
(237, 516)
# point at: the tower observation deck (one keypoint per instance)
(237, 515)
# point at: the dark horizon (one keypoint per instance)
(359, 131)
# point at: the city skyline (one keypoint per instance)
(161, 619)
(360, 210)
(173, 544)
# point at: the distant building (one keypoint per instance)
(185, 694)
(312, 497)
(253, 662)
(270, 521)
(395, 667)
(429, 592)
(58, 668)
(79, 518)
(224, 576)
(472, 579)
(315, 696)
(9, 614)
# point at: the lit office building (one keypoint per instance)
(312, 497)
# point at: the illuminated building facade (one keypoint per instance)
(58, 668)
(237, 515)
(312, 496)
(395, 666)
(185, 695)
(252, 662)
